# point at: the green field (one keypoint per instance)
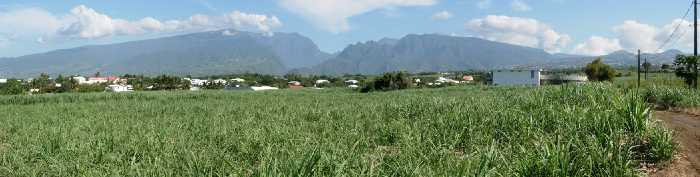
(593, 130)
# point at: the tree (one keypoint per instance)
(67, 84)
(12, 87)
(43, 83)
(165, 82)
(686, 68)
(389, 82)
(598, 71)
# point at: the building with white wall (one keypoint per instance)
(119, 88)
(526, 77)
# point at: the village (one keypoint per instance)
(256, 82)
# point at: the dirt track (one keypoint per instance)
(687, 134)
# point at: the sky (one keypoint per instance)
(590, 27)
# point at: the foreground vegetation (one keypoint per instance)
(591, 130)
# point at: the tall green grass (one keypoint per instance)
(593, 130)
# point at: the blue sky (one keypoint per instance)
(590, 27)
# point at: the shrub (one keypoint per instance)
(598, 71)
(389, 82)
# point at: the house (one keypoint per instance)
(527, 77)
(113, 79)
(352, 82)
(3, 81)
(319, 82)
(119, 88)
(238, 80)
(219, 81)
(97, 80)
(295, 85)
(443, 80)
(263, 88)
(468, 78)
(198, 82)
(80, 79)
(353, 86)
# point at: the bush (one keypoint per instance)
(598, 71)
(12, 87)
(389, 82)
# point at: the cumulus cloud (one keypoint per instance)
(519, 5)
(633, 35)
(520, 31)
(86, 23)
(442, 15)
(28, 21)
(333, 15)
(597, 45)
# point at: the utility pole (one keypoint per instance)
(646, 69)
(639, 73)
(695, 41)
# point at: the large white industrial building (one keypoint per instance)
(527, 77)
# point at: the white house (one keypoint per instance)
(2, 81)
(528, 77)
(443, 80)
(120, 88)
(198, 82)
(264, 88)
(97, 80)
(80, 80)
(239, 80)
(220, 81)
(352, 82)
(323, 82)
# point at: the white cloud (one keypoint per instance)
(483, 4)
(333, 15)
(442, 15)
(258, 22)
(683, 36)
(86, 23)
(519, 5)
(519, 31)
(28, 22)
(90, 24)
(596, 46)
(633, 35)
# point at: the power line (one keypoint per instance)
(675, 30)
(673, 33)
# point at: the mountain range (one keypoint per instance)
(206, 53)
(231, 51)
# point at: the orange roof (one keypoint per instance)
(468, 78)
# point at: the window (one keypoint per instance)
(532, 74)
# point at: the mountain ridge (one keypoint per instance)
(204, 53)
(231, 51)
